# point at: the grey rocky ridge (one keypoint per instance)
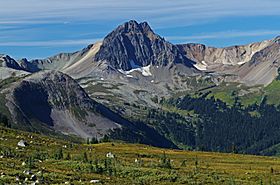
(252, 64)
(131, 70)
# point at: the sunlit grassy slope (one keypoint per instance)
(60, 162)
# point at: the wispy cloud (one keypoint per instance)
(225, 34)
(50, 43)
(158, 11)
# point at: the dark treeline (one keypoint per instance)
(232, 129)
(4, 121)
(173, 126)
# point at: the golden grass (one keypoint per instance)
(199, 167)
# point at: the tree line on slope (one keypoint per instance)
(251, 129)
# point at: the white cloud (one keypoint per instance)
(225, 34)
(159, 12)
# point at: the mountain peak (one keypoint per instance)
(133, 27)
(134, 24)
(136, 43)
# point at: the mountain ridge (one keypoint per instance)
(132, 46)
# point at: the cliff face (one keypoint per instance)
(136, 44)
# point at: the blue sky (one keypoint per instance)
(41, 28)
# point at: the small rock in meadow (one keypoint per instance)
(110, 155)
(22, 143)
(23, 164)
(94, 181)
(27, 172)
(2, 174)
(33, 177)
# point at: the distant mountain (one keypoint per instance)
(253, 64)
(57, 62)
(134, 48)
(7, 61)
(10, 67)
(133, 44)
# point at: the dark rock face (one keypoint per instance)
(40, 108)
(138, 43)
(7, 61)
(28, 66)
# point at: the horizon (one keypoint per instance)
(41, 29)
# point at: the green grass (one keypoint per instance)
(224, 93)
(186, 167)
(252, 98)
(272, 92)
(172, 109)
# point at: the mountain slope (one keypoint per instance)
(263, 66)
(54, 100)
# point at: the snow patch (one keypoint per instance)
(129, 76)
(84, 85)
(204, 63)
(240, 63)
(202, 66)
(146, 71)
